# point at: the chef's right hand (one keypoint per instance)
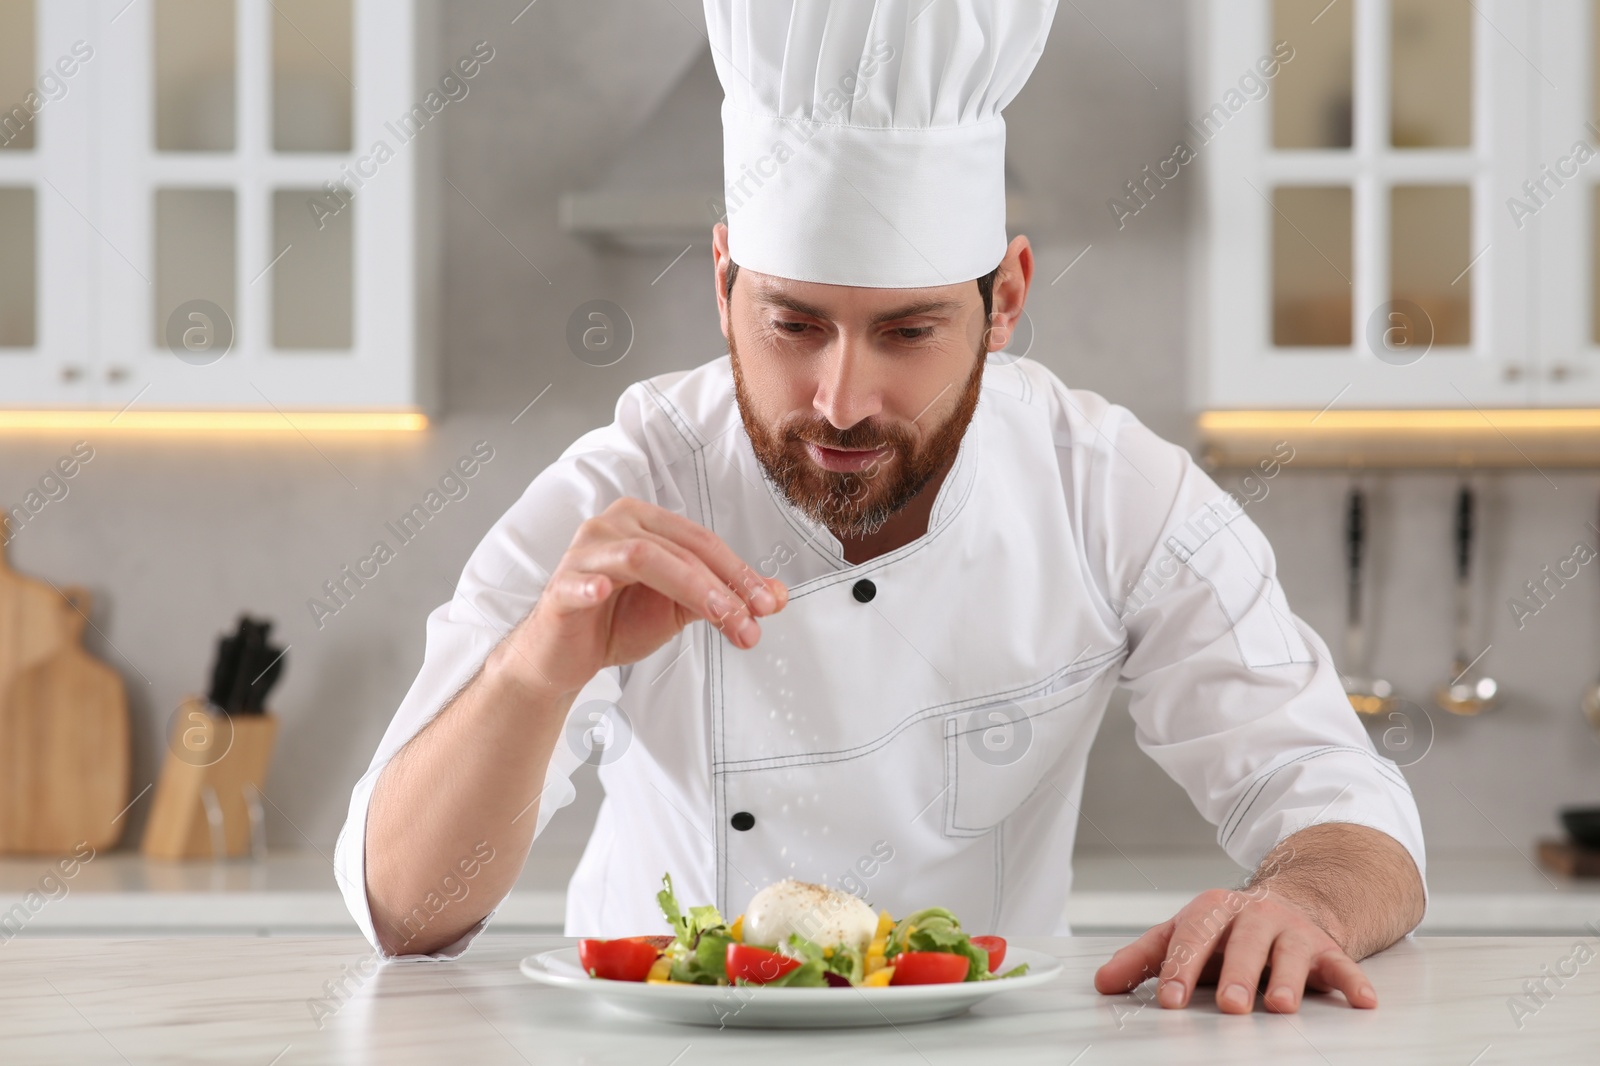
(633, 577)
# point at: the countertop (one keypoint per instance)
(238, 1000)
(121, 893)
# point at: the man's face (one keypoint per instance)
(854, 398)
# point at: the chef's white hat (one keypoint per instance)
(862, 139)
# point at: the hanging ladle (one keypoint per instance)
(1465, 694)
(1368, 695)
(1591, 703)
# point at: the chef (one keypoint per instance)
(847, 604)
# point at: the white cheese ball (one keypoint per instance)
(822, 915)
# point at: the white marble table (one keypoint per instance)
(236, 1000)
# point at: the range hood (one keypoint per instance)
(663, 188)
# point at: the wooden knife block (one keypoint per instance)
(225, 754)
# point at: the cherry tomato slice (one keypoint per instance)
(928, 968)
(627, 959)
(996, 947)
(757, 965)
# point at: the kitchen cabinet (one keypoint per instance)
(1397, 254)
(219, 205)
(1564, 167)
(1356, 246)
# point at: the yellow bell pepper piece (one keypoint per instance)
(827, 953)
(885, 924)
(880, 979)
(736, 930)
(875, 963)
(659, 970)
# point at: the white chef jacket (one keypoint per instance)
(947, 719)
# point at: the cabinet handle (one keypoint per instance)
(117, 374)
(71, 373)
(1560, 372)
(1513, 372)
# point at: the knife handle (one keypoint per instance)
(1464, 530)
(1355, 539)
(249, 656)
(1355, 532)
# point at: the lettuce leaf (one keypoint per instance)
(809, 973)
(700, 952)
(847, 962)
(707, 964)
(936, 929)
(669, 906)
(687, 929)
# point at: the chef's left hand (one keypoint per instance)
(1228, 938)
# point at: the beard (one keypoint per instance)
(854, 503)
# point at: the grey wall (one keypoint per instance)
(175, 536)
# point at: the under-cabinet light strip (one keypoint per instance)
(217, 421)
(1488, 420)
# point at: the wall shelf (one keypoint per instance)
(1418, 438)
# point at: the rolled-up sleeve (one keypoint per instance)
(456, 648)
(1233, 696)
(499, 586)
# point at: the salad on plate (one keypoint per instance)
(799, 935)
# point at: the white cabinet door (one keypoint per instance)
(219, 219)
(1356, 249)
(46, 239)
(1556, 208)
(234, 207)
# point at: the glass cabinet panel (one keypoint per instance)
(18, 282)
(313, 286)
(1312, 252)
(1430, 65)
(312, 75)
(1429, 249)
(1594, 267)
(1314, 99)
(18, 74)
(194, 251)
(1593, 57)
(195, 72)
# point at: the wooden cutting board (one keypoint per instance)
(1569, 859)
(30, 620)
(64, 757)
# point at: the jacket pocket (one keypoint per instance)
(996, 755)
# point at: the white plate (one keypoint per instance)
(803, 1008)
